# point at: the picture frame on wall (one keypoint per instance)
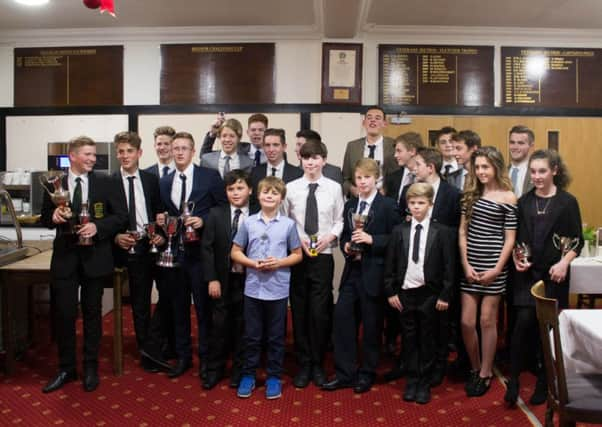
(342, 73)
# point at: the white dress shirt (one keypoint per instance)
(330, 207)
(176, 187)
(453, 164)
(84, 183)
(279, 169)
(415, 273)
(463, 179)
(522, 175)
(234, 162)
(378, 156)
(171, 166)
(139, 199)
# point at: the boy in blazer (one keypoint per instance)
(227, 158)
(226, 280)
(419, 271)
(406, 146)
(362, 281)
(73, 265)
(163, 137)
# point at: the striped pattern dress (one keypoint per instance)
(485, 240)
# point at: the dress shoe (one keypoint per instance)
(157, 360)
(318, 376)
(540, 394)
(148, 365)
(303, 377)
(182, 366)
(235, 379)
(91, 380)
(336, 384)
(203, 371)
(409, 394)
(59, 380)
(512, 389)
(362, 385)
(397, 372)
(211, 380)
(438, 375)
(423, 394)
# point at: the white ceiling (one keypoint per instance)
(319, 18)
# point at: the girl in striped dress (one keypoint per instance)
(486, 237)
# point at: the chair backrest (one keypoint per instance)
(547, 316)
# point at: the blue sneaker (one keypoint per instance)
(273, 388)
(246, 386)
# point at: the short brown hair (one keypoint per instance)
(79, 141)
(313, 148)
(431, 156)
(410, 140)
(272, 182)
(232, 124)
(126, 137)
(367, 165)
(470, 138)
(276, 132)
(525, 130)
(164, 130)
(184, 135)
(258, 118)
(421, 189)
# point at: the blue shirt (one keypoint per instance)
(260, 240)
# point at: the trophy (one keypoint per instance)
(313, 245)
(522, 252)
(190, 234)
(84, 218)
(60, 197)
(166, 258)
(359, 221)
(151, 230)
(565, 244)
(136, 235)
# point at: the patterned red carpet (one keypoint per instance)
(141, 399)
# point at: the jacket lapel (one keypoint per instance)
(430, 239)
(405, 233)
(147, 196)
(91, 190)
(169, 184)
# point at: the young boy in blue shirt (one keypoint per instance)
(267, 244)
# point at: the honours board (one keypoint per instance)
(552, 77)
(436, 75)
(60, 76)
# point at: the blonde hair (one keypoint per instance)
(80, 141)
(421, 189)
(272, 182)
(367, 165)
(233, 125)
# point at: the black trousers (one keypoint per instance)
(419, 321)
(64, 295)
(351, 294)
(227, 329)
(141, 268)
(311, 305)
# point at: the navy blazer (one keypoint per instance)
(382, 218)
(154, 169)
(446, 207)
(393, 182)
(439, 260)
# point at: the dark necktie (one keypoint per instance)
(363, 205)
(227, 165)
(237, 213)
(165, 171)
(132, 203)
(372, 148)
(257, 160)
(77, 197)
(447, 171)
(183, 195)
(274, 171)
(416, 249)
(311, 211)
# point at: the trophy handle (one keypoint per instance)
(190, 205)
(44, 181)
(556, 240)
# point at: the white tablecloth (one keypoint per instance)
(581, 338)
(586, 276)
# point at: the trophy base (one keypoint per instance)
(167, 264)
(355, 248)
(85, 242)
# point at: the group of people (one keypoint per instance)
(427, 234)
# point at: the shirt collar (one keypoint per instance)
(370, 198)
(378, 142)
(244, 209)
(425, 222)
(233, 156)
(125, 175)
(306, 182)
(73, 175)
(521, 165)
(188, 171)
(278, 167)
(276, 218)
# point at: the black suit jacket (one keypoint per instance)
(439, 260)
(107, 213)
(382, 218)
(446, 208)
(154, 169)
(154, 205)
(393, 182)
(565, 222)
(290, 173)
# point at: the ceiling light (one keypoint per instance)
(32, 2)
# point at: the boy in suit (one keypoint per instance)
(204, 187)
(419, 271)
(163, 137)
(316, 204)
(406, 145)
(362, 281)
(73, 265)
(329, 170)
(227, 158)
(445, 145)
(226, 280)
(465, 142)
(267, 244)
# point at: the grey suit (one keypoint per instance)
(211, 161)
(355, 152)
(455, 179)
(527, 184)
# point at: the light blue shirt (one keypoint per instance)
(276, 238)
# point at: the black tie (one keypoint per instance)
(237, 213)
(77, 196)
(447, 171)
(132, 203)
(311, 211)
(363, 205)
(274, 171)
(165, 170)
(257, 160)
(416, 250)
(372, 148)
(183, 195)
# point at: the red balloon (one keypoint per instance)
(92, 4)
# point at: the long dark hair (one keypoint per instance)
(562, 179)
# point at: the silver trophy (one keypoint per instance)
(166, 258)
(565, 244)
(522, 252)
(151, 230)
(359, 222)
(60, 197)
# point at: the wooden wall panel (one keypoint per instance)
(580, 147)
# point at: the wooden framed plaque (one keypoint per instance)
(552, 77)
(60, 76)
(341, 73)
(230, 73)
(435, 75)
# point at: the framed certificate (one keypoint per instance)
(341, 73)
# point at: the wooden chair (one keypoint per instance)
(576, 398)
